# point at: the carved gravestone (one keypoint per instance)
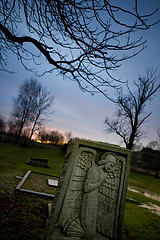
(91, 193)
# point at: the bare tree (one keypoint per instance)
(130, 113)
(2, 124)
(43, 136)
(24, 105)
(12, 127)
(55, 137)
(83, 40)
(44, 102)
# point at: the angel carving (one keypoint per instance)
(91, 202)
(97, 209)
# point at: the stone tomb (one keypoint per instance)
(91, 194)
(38, 162)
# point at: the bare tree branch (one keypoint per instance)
(78, 38)
(130, 115)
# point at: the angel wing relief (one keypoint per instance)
(91, 202)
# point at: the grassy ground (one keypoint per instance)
(141, 223)
(39, 183)
(24, 216)
(145, 182)
(13, 159)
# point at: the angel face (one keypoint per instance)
(110, 163)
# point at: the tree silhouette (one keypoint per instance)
(24, 105)
(2, 124)
(55, 137)
(44, 102)
(130, 115)
(83, 40)
(32, 101)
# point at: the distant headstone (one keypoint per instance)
(52, 182)
(38, 162)
(91, 194)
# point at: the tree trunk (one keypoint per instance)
(19, 133)
(131, 139)
(34, 125)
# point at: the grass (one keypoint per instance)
(140, 198)
(140, 223)
(38, 183)
(13, 159)
(24, 216)
(145, 182)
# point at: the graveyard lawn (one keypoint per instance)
(13, 159)
(145, 182)
(141, 223)
(24, 216)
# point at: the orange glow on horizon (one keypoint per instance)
(50, 142)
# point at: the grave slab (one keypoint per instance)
(38, 162)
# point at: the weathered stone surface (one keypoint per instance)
(91, 193)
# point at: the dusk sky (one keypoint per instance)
(80, 112)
